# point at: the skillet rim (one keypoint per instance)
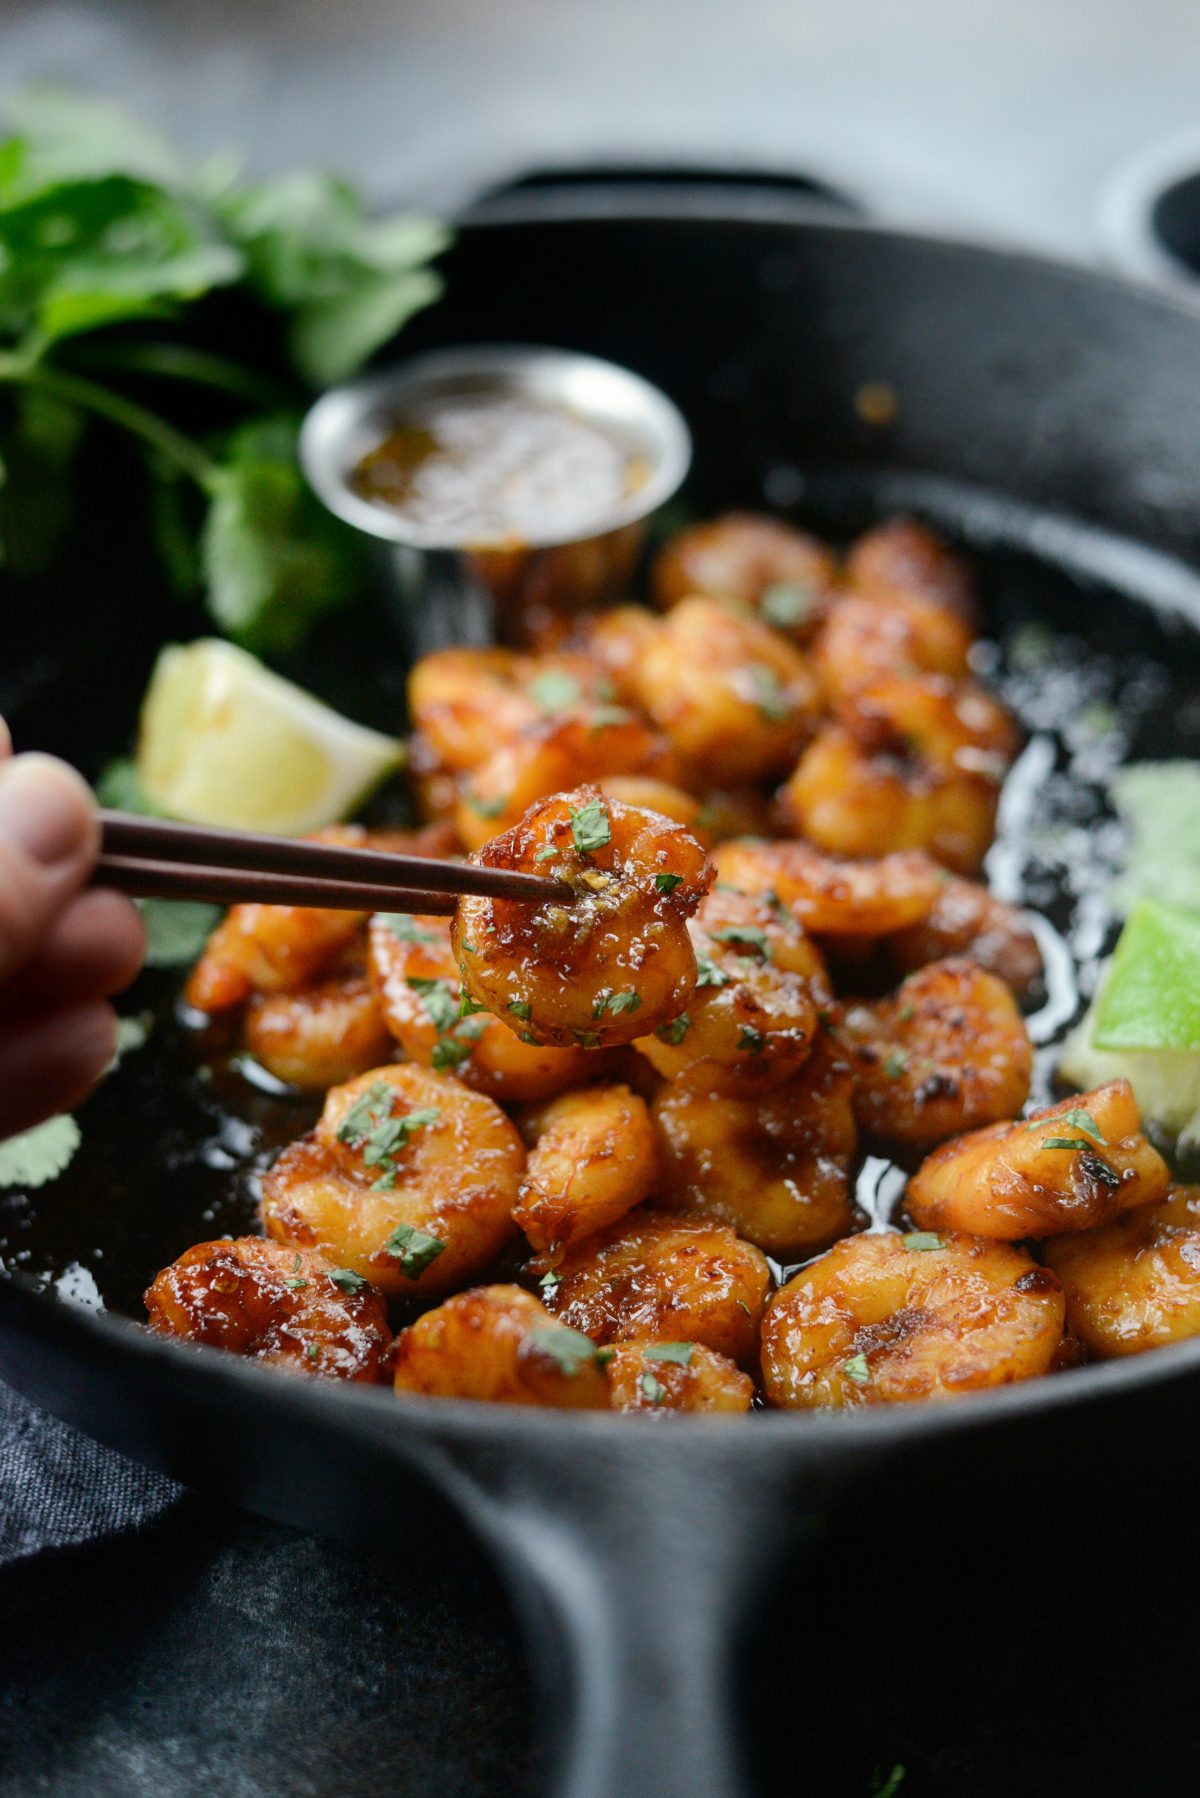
(332, 1403)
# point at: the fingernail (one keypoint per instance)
(45, 809)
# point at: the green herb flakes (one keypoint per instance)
(856, 1369)
(769, 698)
(438, 998)
(617, 1004)
(708, 973)
(550, 853)
(521, 1008)
(679, 1352)
(370, 1126)
(750, 1041)
(405, 926)
(487, 808)
(413, 1249)
(746, 936)
(312, 1352)
(922, 1241)
(591, 826)
(555, 690)
(674, 1031)
(549, 1281)
(895, 1064)
(786, 604)
(587, 1039)
(666, 883)
(468, 1007)
(1075, 1119)
(652, 1389)
(295, 1281)
(347, 1280)
(569, 1349)
(176, 930)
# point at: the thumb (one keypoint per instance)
(49, 836)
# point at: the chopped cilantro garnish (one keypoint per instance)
(413, 1249)
(449, 1052)
(921, 1241)
(708, 973)
(1067, 1142)
(587, 1039)
(895, 1064)
(312, 1351)
(769, 699)
(569, 1348)
(652, 1389)
(347, 1280)
(680, 1352)
(555, 690)
(753, 1042)
(666, 883)
(521, 1008)
(675, 1031)
(1075, 1119)
(527, 1036)
(606, 716)
(550, 1280)
(616, 1003)
(468, 1007)
(405, 926)
(786, 604)
(748, 936)
(591, 826)
(370, 1126)
(856, 1369)
(907, 1013)
(548, 854)
(438, 998)
(295, 1280)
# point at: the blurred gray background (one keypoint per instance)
(1002, 117)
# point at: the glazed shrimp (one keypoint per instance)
(901, 558)
(592, 1158)
(831, 896)
(966, 919)
(776, 1167)
(864, 638)
(409, 1179)
(320, 1035)
(760, 983)
(1072, 1167)
(656, 1378)
(1135, 1284)
(662, 1278)
(909, 764)
(612, 964)
(885, 1320)
(946, 1052)
(736, 699)
(499, 1344)
(550, 757)
(783, 573)
(416, 978)
(466, 701)
(286, 1306)
(280, 948)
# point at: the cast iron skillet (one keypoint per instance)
(1051, 419)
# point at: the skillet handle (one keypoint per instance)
(634, 1565)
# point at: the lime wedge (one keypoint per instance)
(1151, 998)
(1165, 1082)
(225, 741)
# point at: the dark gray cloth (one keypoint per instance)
(59, 1490)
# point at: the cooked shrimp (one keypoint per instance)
(947, 1051)
(279, 948)
(416, 977)
(913, 764)
(320, 1035)
(968, 920)
(711, 818)
(660, 1377)
(830, 896)
(612, 964)
(409, 1179)
(760, 983)
(736, 699)
(775, 1167)
(1135, 1284)
(549, 757)
(783, 573)
(885, 1320)
(902, 557)
(864, 638)
(465, 702)
(499, 1344)
(286, 1306)
(592, 1158)
(662, 1278)
(539, 589)
(615, 641)
(1074, 1166)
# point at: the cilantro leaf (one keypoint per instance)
(747, 936)
(617, 1003)
(857, 1369)
(922, 1241)
(751, 1041)
(787, 604)
(40, 1155)
(569, 1349)
(439, 999)
(591, 826)
(405, 926)
(347, 1280)
(666, 883)
(674, 1030)
(413, 1249)
(176, 930)
(652, 1389)
(679, 1352)
(555, 690)
(769, 698)
(1075, 1119)
(708, 973)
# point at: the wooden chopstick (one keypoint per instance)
(159, 858)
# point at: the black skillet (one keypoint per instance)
(1048, 418)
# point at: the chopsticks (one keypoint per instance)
(156, 858)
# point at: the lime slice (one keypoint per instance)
(1165, 1082)
(225, 741)
(1151, 999)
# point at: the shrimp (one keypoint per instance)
(592, 1158)
(607, 967)
(279, 948)
(909, 764)
(615, 641)
(889, 1319)
(1076, 1165)
(1135, 1283)
(320, 1035)
(829, 896)
(416, 978)
(285, 1306)
(538, 590)
(752, 1019)
(776, 1167)
(657, 1378)
(901, 558)
(499, 1344)
(552, 756)
(736, 699)
(782, 572)
(968, 920)
(664, 1278)
(409, 1179)
(466, 701)
(906, 634)
(947, 1051)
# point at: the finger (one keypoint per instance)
(49, 836)
(92, 950)
(49, 1063)
(5, 741)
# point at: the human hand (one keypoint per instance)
(64, 949)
